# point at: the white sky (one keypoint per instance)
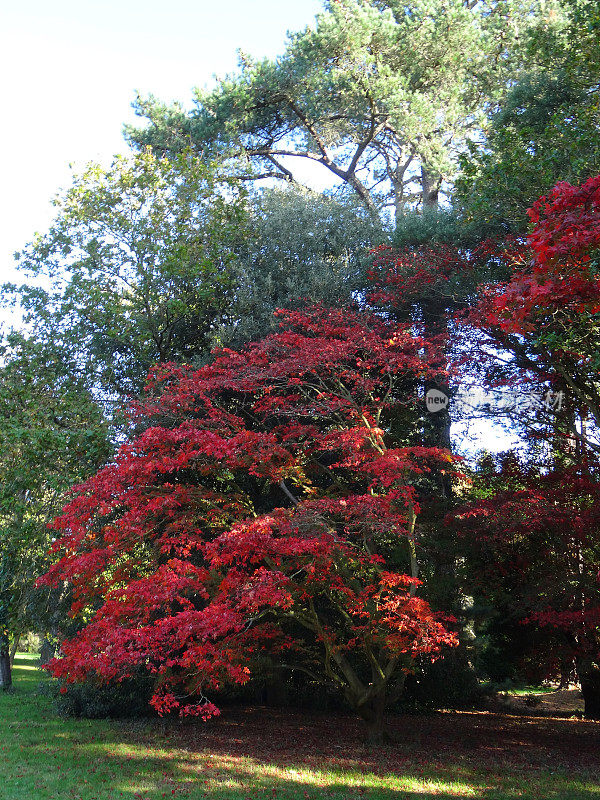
(71, 69)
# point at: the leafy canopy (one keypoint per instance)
(269, 507)
(52, 435)
(137, 268)
(380, 94)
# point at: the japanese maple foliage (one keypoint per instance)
(533, 547)
(558, 269)
(444, 274)
(268, 505)
(547, 314)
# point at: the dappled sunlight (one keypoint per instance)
(266, 753)
(143, 769)
(205, 771)
(243, 772)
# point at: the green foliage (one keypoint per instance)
(52, 435)
(547, 128)
(137, 268)
(301, 246)
(380, 94)
(91, 700)
(436, 226)
(547, 131)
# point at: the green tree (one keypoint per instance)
(380, 94)
(52, 435)
(137, 268)
(300, 246)
(547, 128)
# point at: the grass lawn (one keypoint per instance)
(524, 691)
(257, 753)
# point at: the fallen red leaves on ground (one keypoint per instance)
(479, 738)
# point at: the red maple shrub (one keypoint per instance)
(533, 549)
(268, 506)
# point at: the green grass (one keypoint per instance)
(255, 753)
(524, 691)
(518, 691)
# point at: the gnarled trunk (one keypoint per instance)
(430, 189)
(373, 713)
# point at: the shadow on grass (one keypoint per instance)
(262, 753)
(215, 776)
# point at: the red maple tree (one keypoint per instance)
(443, 274)
(546, 314)
(533, 328)
(542, 534)
(533, 548)
(268, 506)
(561, 274)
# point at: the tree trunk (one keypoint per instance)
(430, 188)
(373, 713)
(435, 329)
(444, 587)
(14, 648)
(47, 651)
(590, 689)
(566, 674)
(5, 668)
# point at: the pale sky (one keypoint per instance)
(71, 69)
